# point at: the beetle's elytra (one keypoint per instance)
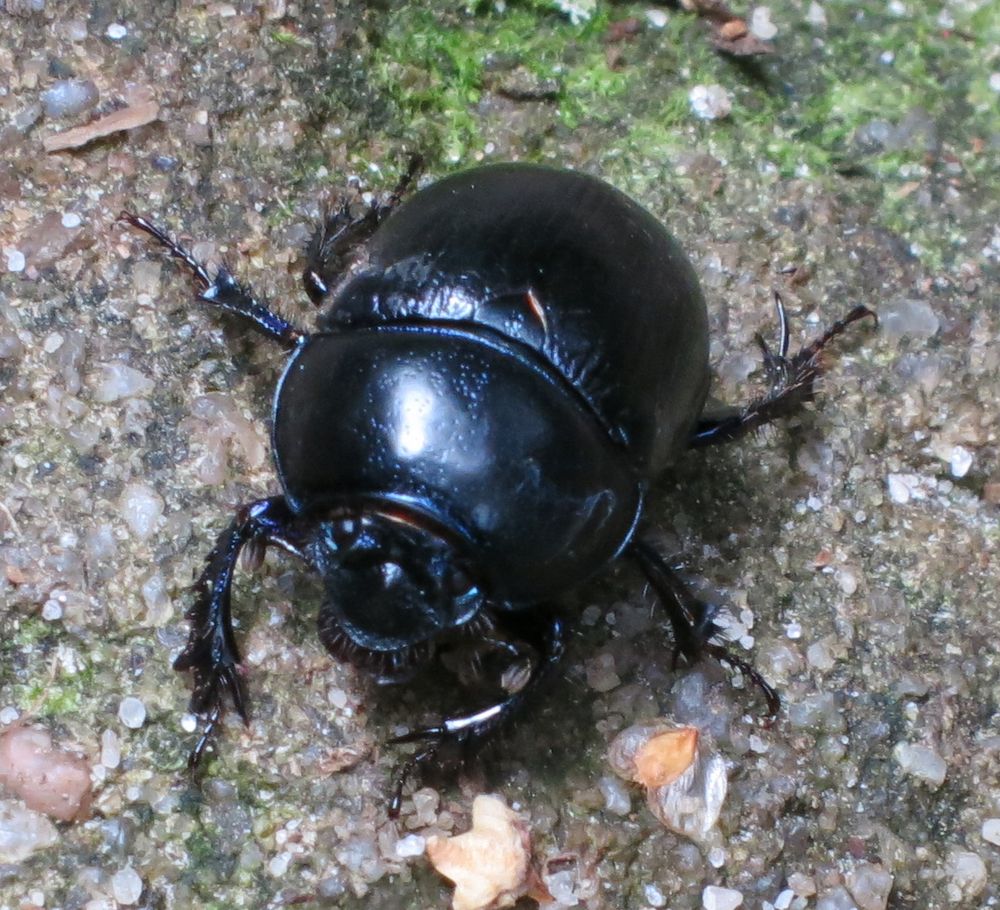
(504, 363)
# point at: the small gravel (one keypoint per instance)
(716, 898)
(132, 712)
(69, 97)
(126, 886)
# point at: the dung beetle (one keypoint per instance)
(504, 363)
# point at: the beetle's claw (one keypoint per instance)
(724, 655)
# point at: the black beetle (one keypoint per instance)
(503, 367)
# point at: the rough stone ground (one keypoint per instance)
(856, 551)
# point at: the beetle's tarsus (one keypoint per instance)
(470, 732)
(692, 622)
(792, 382)
(223, 291)
(340, 233)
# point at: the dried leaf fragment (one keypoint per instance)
(665, 757)
(489, 863)
(141, 111)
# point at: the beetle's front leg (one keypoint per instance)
(340, 233)
(792, 379)
(540, 641)
(211, 652)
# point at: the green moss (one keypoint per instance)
(437, 65)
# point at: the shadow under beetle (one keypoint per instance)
(503, 365)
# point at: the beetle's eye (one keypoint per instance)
(460, 582)
(343, 533)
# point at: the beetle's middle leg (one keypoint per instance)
(792, 379)
(223, 290)
(211, 652)
(541, 641)
(341, 232)
(691, 619)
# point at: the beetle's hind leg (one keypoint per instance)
(792, 382)
(692, 623)
(341, 232)
(211, 652)
(540, 643)
(222, 290)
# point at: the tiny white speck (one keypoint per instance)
(52, 610)
(995, 81)
(960, 461)
(656, 18)
(793, 630)
(70, 220)
(116, 31)
(189, 723)
(887, 57)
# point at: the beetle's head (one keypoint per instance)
(391, 581)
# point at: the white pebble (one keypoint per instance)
(968, 874)
(816, 15)
(793, 630)
(617, 800)
(710, 102)
(126, 886)
(847, 579)
(23, 831)
(132, 712)
(189, 723)
(921, 762)
(142, 509)
(111, 753)
(991, 826)
(71, 220)
(279, 864)
(117, 381)
(960, 461)
(116, 31)
(53, 341)
(8, 714)
(52, 610)
(15, 259)
(995, 81)
(904, 487)
(411, 845)
(761, 24)
(784, 900)
(657, 18)
(715, 898)
(654, 896)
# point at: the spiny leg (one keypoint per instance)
(792, 382)
(211, 652)
(340, 233)
(541, 642)
(223, 291)
(692, 623)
